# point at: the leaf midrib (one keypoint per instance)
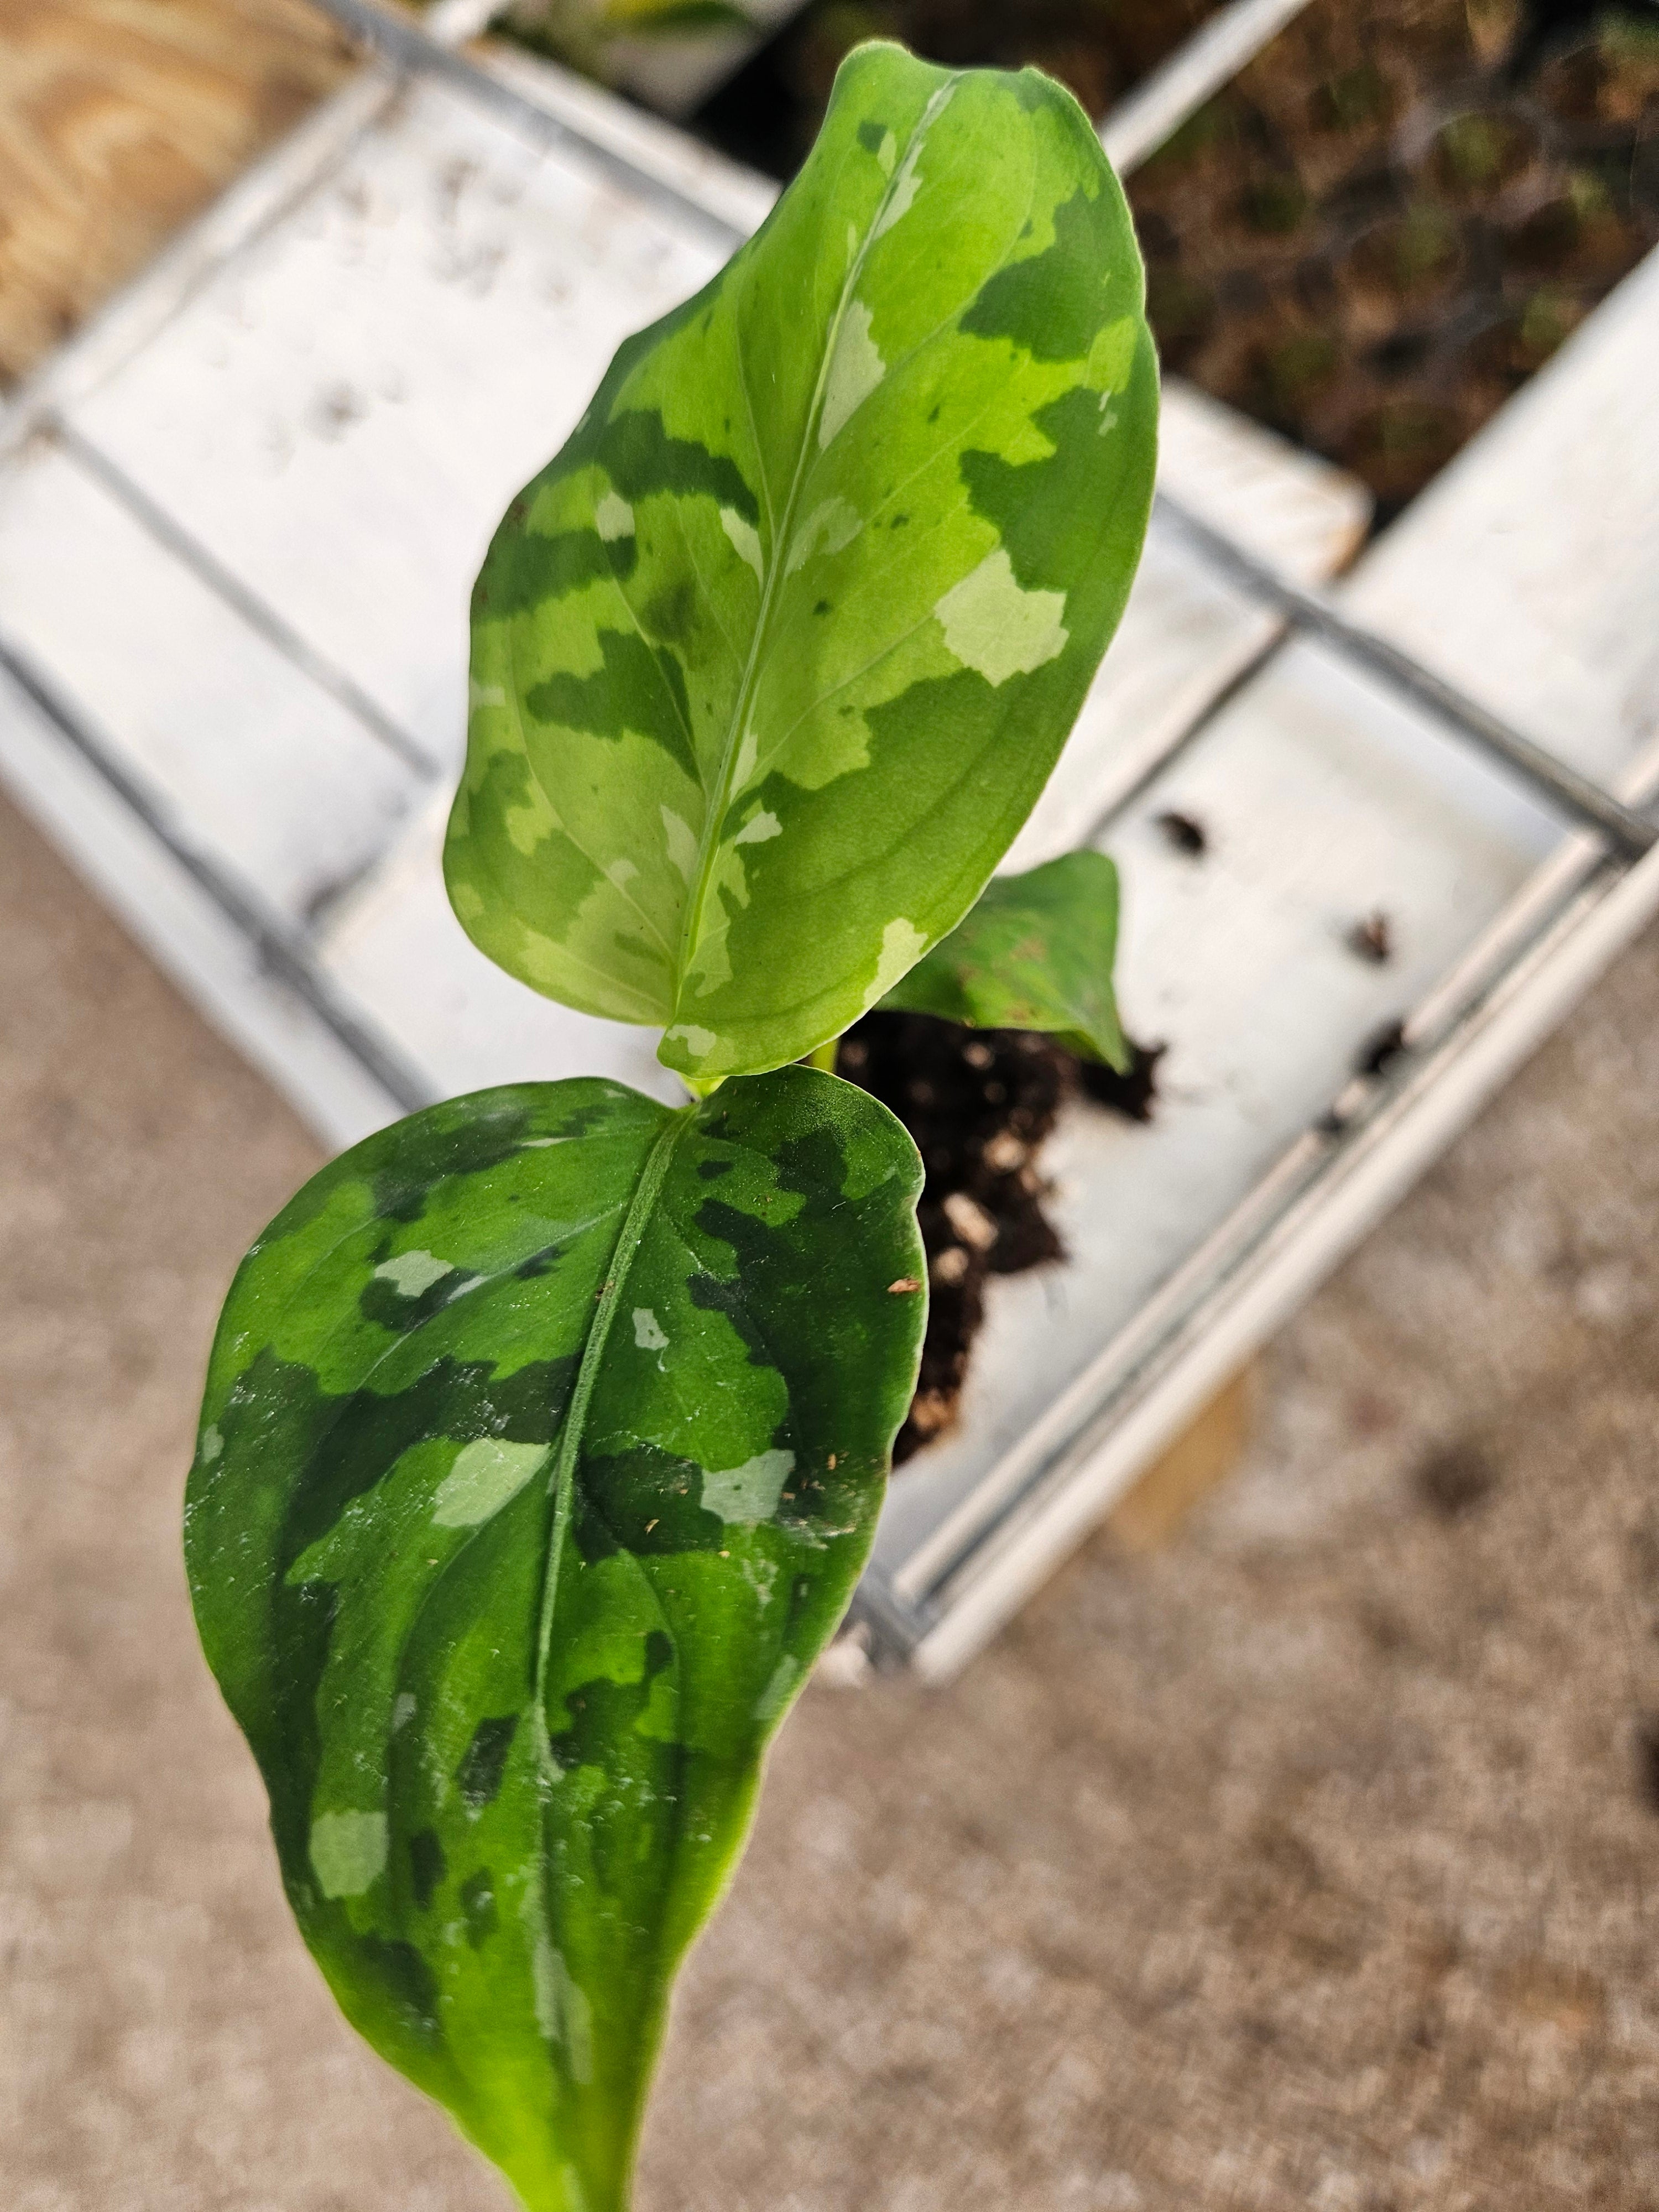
(720, 799)
(630, 1237)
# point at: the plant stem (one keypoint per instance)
(823, 1055)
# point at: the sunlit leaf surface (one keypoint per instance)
(771, 662)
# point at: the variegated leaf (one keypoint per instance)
(543, 1440)
(1036, 953)
(771, 662)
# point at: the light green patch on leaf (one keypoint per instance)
(508, 1589)
(412, 1272)
(750, 1493)
(997, 629)
(1036, 953)
(780, 650)
(487, 1473)
(348, 1851)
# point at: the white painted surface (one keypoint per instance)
(1322, 798)
(398, 951)
(1186, 635)
(343, 415)
(186, 930)
(1528, 575)
(278, 782)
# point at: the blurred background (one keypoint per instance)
(1294, 1847)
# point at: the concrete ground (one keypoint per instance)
(1302, 1862)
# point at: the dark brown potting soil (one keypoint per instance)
(1398, 212)
(770, 113)
(1376, 235)
(979, 1104)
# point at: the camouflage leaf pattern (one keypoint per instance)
(1036, 953)
(771, 662)
(543, 1441)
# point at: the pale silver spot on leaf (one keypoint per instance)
(681, 842)
(613, 518)
(901, 946)
(832, 525)
(211, 1446)
(698, 1042)
(855, 373)
(995, 628)
(348, 1851)
(746, 540)
(412, 1272)
(648, 1331)
(745, 1495)
(758, 828)
(487, 1473)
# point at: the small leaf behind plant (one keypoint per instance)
(1036, 953)
(543, 1441)
(772, 661)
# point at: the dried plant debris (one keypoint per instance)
(1455, 1479)
(1372, 940)
(1647, 1761)
(979, 1104)
(1398, 211)
(1380, 1050)
(769, 112)
(1183, 833)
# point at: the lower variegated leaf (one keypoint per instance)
(1035, 953)
(542, 1443)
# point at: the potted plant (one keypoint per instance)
(545, 1431)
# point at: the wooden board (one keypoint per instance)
(120, 119)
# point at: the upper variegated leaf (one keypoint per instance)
(771, 662)
(543, 1440)
(1036, 953)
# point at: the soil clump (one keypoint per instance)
(979, 1104)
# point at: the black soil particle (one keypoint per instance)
(1372, 940)
(1455, 1479)
(1381, 1049)
(979, 1104)
(1185, 834)
(1134, 1092)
